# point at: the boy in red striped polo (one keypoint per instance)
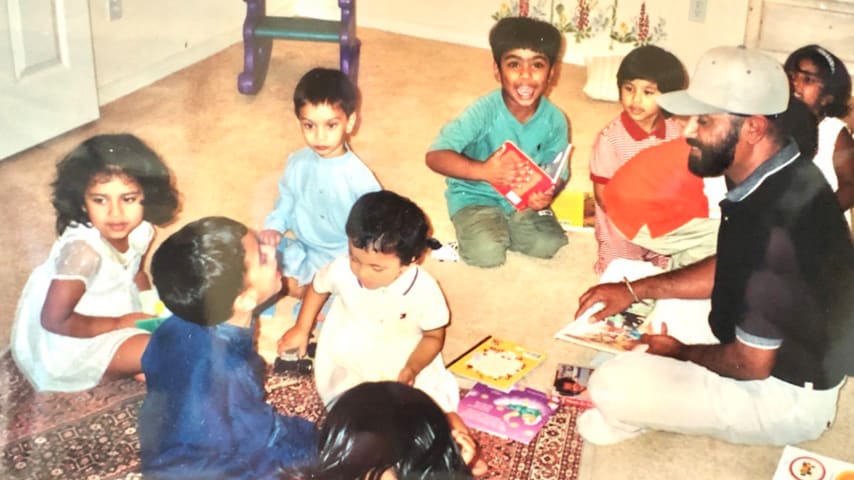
(644, 74)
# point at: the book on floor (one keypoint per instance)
(617, 333)
(496, 363)
(570, 385)
(518, 414)
(797, 463)
(538, 179)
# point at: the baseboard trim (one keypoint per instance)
(151, 73)
(425, 31)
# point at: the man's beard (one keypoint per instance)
(713, 160)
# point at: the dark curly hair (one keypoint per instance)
(833, 73)
(389, 223)
(110, 155)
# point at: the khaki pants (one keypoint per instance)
(690, 243)
(485, 233)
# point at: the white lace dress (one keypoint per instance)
(61, 363)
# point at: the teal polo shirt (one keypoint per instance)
(483, 127)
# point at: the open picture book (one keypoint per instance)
(618, 333)
(496, 363)
(538, 179)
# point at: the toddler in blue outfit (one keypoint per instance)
(321, 182)
(205, 416)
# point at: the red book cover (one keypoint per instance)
(537, 179)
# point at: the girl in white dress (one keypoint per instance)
(821, 81)
(388, 315)
(75, 321)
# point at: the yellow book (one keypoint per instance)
(496, 363)
(570, 208)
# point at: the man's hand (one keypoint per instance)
(615, 296)
(663, 344)
(541, 200)
(270, 237)
(294, 338)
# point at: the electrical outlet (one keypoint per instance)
(114, 9)
(697, 10)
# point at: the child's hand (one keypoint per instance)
(270, 237)
(129, 320)
(468, 448)
(500, 169)
(294, 338)
(541, 200)
(407, 376)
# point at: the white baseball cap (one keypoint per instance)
(732, 80)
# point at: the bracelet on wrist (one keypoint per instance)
(632, 291)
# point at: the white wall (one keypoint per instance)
(468, 22)
(155, 38)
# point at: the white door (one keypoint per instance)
(47, 73)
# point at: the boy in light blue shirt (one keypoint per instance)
(468, 149)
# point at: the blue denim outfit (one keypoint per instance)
(205, 416)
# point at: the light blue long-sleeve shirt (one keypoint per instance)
(315, 198)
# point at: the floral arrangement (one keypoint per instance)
(584, 20)
(639, 33)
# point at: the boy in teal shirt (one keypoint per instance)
(468, 149)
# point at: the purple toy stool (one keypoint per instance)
(259, 30)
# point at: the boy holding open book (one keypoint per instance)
(469, 150)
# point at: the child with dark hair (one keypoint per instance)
(205, 416)
(388, 316)
(320, 182)
(76, 319)
(468, 150)
(644, 74)
(820, 79)
(386, 430)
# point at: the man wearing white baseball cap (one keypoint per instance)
(779, 329)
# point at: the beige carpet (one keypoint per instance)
(228, 150)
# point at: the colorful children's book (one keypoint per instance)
(799, 464)
(570, 385)
(538, 179)
(517, 415)
(618, 333)
(496, 363)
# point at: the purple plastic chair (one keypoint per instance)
(259, 30)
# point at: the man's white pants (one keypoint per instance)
(636, 391)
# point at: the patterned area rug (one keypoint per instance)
(92, 435)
